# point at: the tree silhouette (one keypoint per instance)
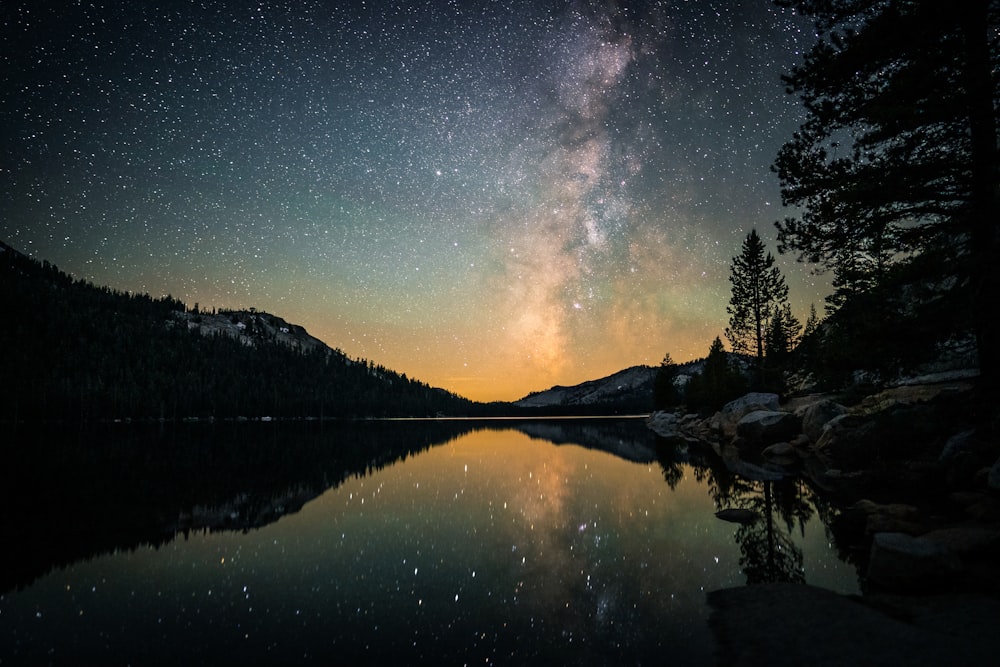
(91, 353)
(768, 553)
(718, 382)
(897, 157)
(757, 289)
(665, 394)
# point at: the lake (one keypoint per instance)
(579, 541)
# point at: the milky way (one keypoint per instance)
(492, 197)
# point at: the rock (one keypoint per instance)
(889, 518)
(752, 471)
(903, 562)
(882, 523)
(840, 439)
(801, 441)
(726, 419)
(993, 478)
(737, 515)
(780, 450)
(665, 424)
(781, 453)
(750, 402)
(895, 510)
(764, 427)
(915, 394)
(980, 505)
(816, 416)
(781, 624)
(958, 443)
(966, 541)
(902, 432)
(966, 499)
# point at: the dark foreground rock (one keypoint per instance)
(796, 624)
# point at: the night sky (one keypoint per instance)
(491, 197)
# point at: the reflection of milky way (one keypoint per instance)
(490, 197)
(550, 571)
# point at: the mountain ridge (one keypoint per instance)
(92, 353)
(629, 386)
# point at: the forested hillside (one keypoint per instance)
(73, 350)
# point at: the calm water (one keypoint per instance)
(389, 543)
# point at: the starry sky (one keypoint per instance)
(493, 197)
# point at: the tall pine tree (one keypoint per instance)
(757, 289)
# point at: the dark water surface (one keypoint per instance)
(561, 542)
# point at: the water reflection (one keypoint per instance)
(771, 515)
(456, 543)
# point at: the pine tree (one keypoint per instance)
(717, 383)
(812, 322)
(783, 335)
(757, 288)
(665, 394)
(897, 158)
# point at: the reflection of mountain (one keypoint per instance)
(627, 439)
(71, 494)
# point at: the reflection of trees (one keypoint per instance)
(84, 491)
(671, 455)
(768, 553)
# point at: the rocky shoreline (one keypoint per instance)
(915, 472)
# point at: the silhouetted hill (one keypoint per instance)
(81, 352)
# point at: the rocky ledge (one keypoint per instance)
(796, 624)
(915, 471)
(917, 481)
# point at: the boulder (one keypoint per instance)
(781, 624)
(749, 402)
(967, 540)
(896, 510)
(993, 478)
(801, 441)
(889, 518)
(752, 471)
(780, 450)
(885, 523)
(815, 417)
(726, 419)
(959, 557)
(903, 562)
(782, 453)
(958, 444)
(765, 427)
(665, 424)
(916, 394)
(855, 440)
(980, 505)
